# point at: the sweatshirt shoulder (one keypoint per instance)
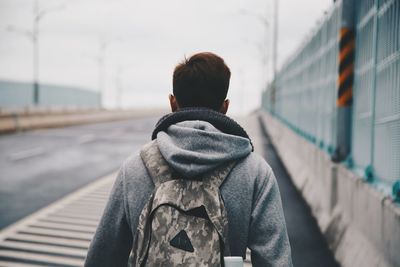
(250, 174)
(133, 164)
(258, 166)
(135, 175)
(259, 173)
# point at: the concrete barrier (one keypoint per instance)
(361, 225)
(28, 119)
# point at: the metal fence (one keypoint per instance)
(18, 94)
(304, 92)
(385, 126)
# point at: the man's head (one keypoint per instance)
(201, 81)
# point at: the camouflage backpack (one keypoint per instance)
(185, 222)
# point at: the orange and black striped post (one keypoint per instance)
(346, 67)
(345, 79)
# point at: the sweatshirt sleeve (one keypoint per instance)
(112, 242)
(268, 239)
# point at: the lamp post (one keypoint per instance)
(33, 36)
(118, 86)
(264, 46)
(103, 45)
(275, 39)
(274, 55)
(119, 82)
(100, 61)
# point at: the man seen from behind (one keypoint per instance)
(195, 139)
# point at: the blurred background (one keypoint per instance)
(315, 84)
(127, 50)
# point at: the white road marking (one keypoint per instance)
(58, 234)
(15, 245)
(16, 264)
(28, 153)
(67, 242)
(86, 138)
(40, 258)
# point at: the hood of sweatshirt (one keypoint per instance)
(194, 147)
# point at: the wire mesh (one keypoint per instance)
(304, 92)
(364, 84)
(386, 157)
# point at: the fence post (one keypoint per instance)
(345, 80)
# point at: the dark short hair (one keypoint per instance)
(201, 81)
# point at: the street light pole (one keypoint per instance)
(103, 45)
(100, 60)
(35, 37)
(274, 57)
(120, 70)
(275, 42)
(263, 47)
(102, 50)
(119, 86)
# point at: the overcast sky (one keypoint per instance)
(146, 39)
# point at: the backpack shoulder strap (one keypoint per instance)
(160, 172)
(155, 164)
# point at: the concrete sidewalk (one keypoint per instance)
(309, 248)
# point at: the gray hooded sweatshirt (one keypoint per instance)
(194, 147)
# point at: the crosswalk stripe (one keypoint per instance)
(77, 210)
(70, 221)
(67, 242)
(68, 227)
(58, 234)
(72, 214)
(15, 245)
(40, 258)
(18, 264)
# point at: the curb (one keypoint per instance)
(11, 122)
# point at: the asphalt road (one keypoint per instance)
(39, 167)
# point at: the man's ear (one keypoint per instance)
(173, 103)
(225, 106)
